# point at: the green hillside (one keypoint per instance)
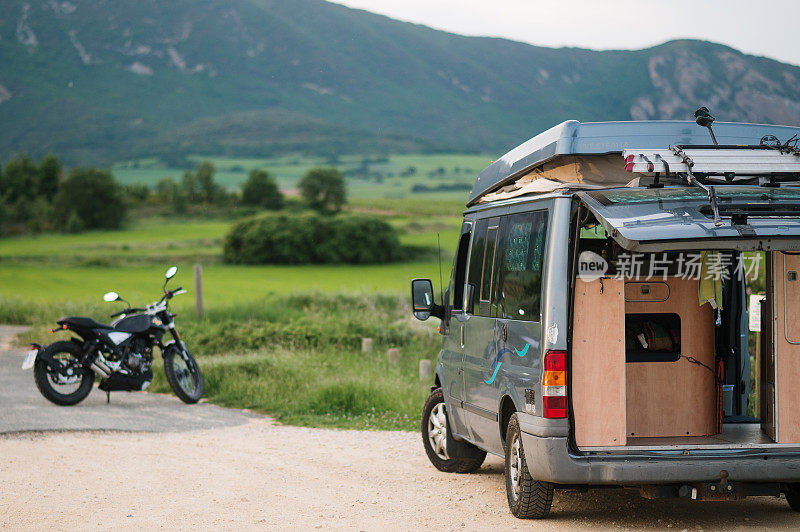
(98, 81)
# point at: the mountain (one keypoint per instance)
(99, 80)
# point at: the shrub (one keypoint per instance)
(94, 197)
(310, 238)
(324, 189)
(260, 190)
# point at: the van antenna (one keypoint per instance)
(441, 286)
(704, 119)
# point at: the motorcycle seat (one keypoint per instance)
(85, 323)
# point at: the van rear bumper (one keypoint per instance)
(549, 459)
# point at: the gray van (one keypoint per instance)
(596, 324)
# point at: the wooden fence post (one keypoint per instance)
(424, 369)
(366, 346)
(198, 289)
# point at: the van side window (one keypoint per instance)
(488, 264)
(460, 270)
(476, 266)
(482, 276)
(522, 248)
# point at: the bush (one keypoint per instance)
(137, 192)
(310, 238)
(260, 190)
(93, 196)
(324, 189)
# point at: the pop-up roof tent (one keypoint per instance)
(578, 155)
(731, 215)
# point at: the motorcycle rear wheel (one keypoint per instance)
(184, 376)
(62, 393)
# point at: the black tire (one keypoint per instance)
(527, 498)
(793, 496)
(187, 391)
(42, 374)
(438, 455)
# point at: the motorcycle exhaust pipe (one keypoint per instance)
(101, 369)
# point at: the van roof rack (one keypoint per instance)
(771, 164)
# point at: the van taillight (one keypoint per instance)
(554, 384)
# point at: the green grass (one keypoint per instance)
(282, 340)
(232, 172)
(294, 356)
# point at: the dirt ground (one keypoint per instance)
(264, 475)
(148, 461)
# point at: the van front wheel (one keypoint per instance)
(434, 438)
(527, 498)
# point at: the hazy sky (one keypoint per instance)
(765, 28)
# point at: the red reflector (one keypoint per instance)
(555, 361)
(629, 163)
(555, 407)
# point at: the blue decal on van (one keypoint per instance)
(500, 354)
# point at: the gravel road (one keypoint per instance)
(148, 461)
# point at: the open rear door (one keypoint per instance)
(650, 341)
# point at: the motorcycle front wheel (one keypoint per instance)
(183, 375)
(69, 386)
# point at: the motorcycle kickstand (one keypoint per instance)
(108, 397)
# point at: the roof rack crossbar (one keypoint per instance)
(706, 160)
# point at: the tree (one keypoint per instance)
(324, 189)
(199, 186)
(261, 190)
(168, 192)
(205, 180)
(19, 179)
(93, 196)
(50, 170)
(191, 191)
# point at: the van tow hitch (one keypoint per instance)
(723, 490)
(719, 491)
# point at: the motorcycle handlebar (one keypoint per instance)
(171, 293)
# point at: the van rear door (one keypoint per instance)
(672, 218)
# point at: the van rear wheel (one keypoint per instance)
(527, 498)
(793, 496)
(434, 438)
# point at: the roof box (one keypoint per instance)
(569, 155)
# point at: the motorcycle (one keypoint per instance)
(119, 354)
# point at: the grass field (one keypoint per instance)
(283, 340)
(367, 176)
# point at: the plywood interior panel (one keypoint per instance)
(787, 349)
(598, 363)
(646, 291)
(674, 398)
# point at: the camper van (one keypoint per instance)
(624, 310)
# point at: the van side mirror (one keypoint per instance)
(422, 301)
